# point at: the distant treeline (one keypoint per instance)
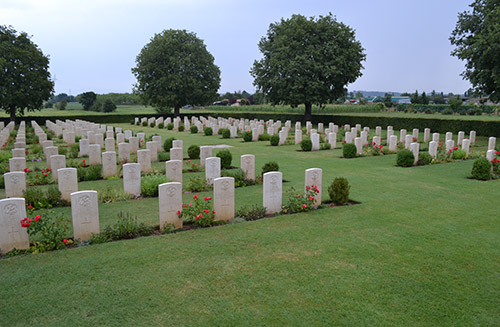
(116, 98)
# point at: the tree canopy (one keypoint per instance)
(477, 40)
(87, 99)
(307, 61)
(175, 69)
(24, 73)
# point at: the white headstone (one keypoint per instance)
(153, 150)
(248, 166)
(314, 179)
(332, 139)
(176, 154)
(402, 136)
(461, 136)
(50, 151)
(109, 144)
(427, 134)
(17, 164)
(408, 141)
(466, 147)
(133, 143)
(358, 142)
(95, 154)
(472, 137)
(84, 147)
(57, 162)
(393, 143)
(85, 214)
(170, 201)
(492, 143)
(123, 152)
(414, 147)
(109, 164)
(67, 182)
(15, 184)
(298, 136)
(205, 152)
(315, 142)
(144, 159)
(433, 145)
(12, 234)
(273, 191)
(224, 198)
(212, 169)
(132, 178)
(173, 170)
(435, 137)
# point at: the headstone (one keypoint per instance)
(15, 184)
(99, 139)
(84, 147)
(57, 162)
(94, 154)
(109, 144)
(205, 152)
(85, 214)
(273, 192)
(332, 139)
(315, 142)
(415, 134)
(176, 154)
(133, 144)
(173, 170)
(378, 131)
(120, 138)
(128, 134)
(170, 201)
(433, 145)
(461, 136)
(402, 136)
(109, 164)
(50, 151)
(490, 155)
(435, 137)
(12, 234)
(67, 182)
(248, 166)
(466, 147)
(144, 159)
(298, 136)
(450, 144)
(472, 137)
(18, 153)
(314, 178)
(142, 138)
(492, 143)
(427, 134)
(157, 140)
(123, 152)
(414, 147)
(393, 143)
(132, 178)
(358, 142)
(282, 137)
(224, 198)
(449, 136)
(212, 169)
(153, 150)
(408, 141)
(17, 164)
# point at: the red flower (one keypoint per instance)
(190, 204)
(195, 196)
(37, 217)
(206, 210)
(65, 241)
(26, 152)
(310, 199)
(304, 206)
(209, 198)
(30, 207)
(178, 213)
(213, 212)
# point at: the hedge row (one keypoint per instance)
(484, 128)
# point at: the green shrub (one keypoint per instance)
(208, 131)
(152, 125)
(167, 145)
(132, 122)
(89, 173)
(270, 166)
(161, 125)
(110, 195)
(193, 129)
(349, 150)
(225, 158)
(251, 212)
(247, 136)
(63, 151)
(325, 146)
(275, 140)
(481, 169)
(424, 159)
(170, 126)
(306, 145)
(194, 152)
(145, 123)
(126, 227)
(180, 128)
(447, 111)
(5, 156)
(459, 154)
(138, 123)
(405, 158)
(339, 190)
(49, 230)
(74, 150)
(53, 195)
(163, 156)
(265, 137)
(149, 185)
(197, 184)
(226, 133)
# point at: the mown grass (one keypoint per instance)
(422, 249)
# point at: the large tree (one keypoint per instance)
(307, 61)
(87, 99)
(477, 40)
(175, 69)
(24, 73)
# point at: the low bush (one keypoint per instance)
(265, 137)
(145, 123)
(181, 128)
(89, 173)
(481, 169)
(197, 184)
(194, 152)
(325, 146)
(306, 145)
(163, 156)
(275, 140)
(74, 150)
(110, 195)
(161, 125)
(339, 190)
(458, 154)
(225, 158)
(48, 230)
(247, 136)
(300, 202)
(405, 158)
(126, 227)
(170, 126)
(152, 125)
(226, 133)
(167, 145)
(349, 150)
(208, 131)
(251, 212)
(424, 158)
(193, 129)
(240, 178)
(36, 198)
(149, 185)
(270, 166)
(199, 212)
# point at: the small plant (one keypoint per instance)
(192, 166)
(240, 178)
(405, 158)
(163, 156)
(110, 195)
(167, 145)
(270, 166)
(193, 129)
(197, 184)
(149, 185)
(145, 123)
(161, 125)
(306, 145)
(325, 146)
(274, 140)
(138, 123)
(152, 124)
(198, 212)
(49, 231)
(247, 136)
(226, 133)
(265, 137)
(458, 154)
(194, 152)
(481, 169)
(225, 158)
(73, 150)
(375, 150)
(36, 198)
(299, 202)
(208, 131)
(251, 212)
(339, 190)
(126, 227)
(424, 159)
(181, 128)
(170, 126)
(349, 150)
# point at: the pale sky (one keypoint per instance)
(93, 44)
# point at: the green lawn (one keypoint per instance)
(422, 249)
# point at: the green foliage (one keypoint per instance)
(447, 111)
(61, 105)
(424, 158)
(149, 184)
(170, 126)
(481, 169)
(193, 129)
(89, 173)
(226, 133)
(161, 125)
(208, 131)
(339, 190)
(225, 158)
(455, 103)
(110, 195)
(87, 99)
(270, 166)
(163, 156)
(405, 158)
(198, 212)
(458, 154)
(48, 230)
(25, 81)
(247, 136)
(295, 49)
(145, 124)
(265, 137)
(325, 146)
(300, 202)
(180, 128)
(108, 106)
(167, 145)
(275, 140)
(152, 124)
(251, 212)
(194, 152)
(240, 178)
(197, 184)
(306, 145)
(349, 150)
(74, 150)
(126, 227)
(37, 198)
(5, 156)
(170, 57)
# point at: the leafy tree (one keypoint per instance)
(455, 102)
(307, 61)
(388, 100)
(424, 99)
(438, 99)
(476, 37)
(87, 100)
(24, 73)
(61, 105)
(415, 98)
(175, 69)
(108, 106)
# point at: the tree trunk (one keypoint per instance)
(13, 113)
(176, 111)
(308, 112)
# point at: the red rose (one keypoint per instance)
(311, 198)
(195, 196)
(206, 210)
(304, 206)
(178, 213)
(65, 241)
(37, 217)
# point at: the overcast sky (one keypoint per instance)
(93, 44)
